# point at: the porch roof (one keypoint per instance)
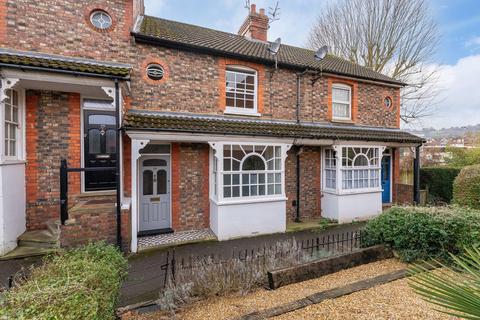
(207, 124)
(51, 62)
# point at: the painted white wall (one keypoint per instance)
(12, 205)
(351, 207)
(233, 220)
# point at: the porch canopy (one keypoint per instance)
(303, 133)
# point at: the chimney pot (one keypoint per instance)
(255, 25)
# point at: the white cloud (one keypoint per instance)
(459, 94)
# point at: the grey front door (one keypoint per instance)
(155, 193)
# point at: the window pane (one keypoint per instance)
(161, 182)
(227, 192)
(227, 179)
(94, 141)
(8, 112)
(101, 119)
(111, 138)
(245, 191)
(236, 191)
(253, 162)
(341, 110)
(235, 179)
(13, 149)
(154, 163)
(261, 190)
(341, 95)
(147, 182)
(13, 132)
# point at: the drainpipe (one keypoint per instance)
(117, 166)
(416, 176)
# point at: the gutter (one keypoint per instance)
(70, 72)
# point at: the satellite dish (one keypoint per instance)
(321, 53)
(274, 46)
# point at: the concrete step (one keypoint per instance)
(39, 239)
(25, 252)
(53, 226)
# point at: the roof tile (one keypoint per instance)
(167, 31)
(189, 123)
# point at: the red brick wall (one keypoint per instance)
(190, 186)
(52, 133)
(310, 195)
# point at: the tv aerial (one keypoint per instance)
(273, 48)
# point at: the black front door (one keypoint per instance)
(100, 149)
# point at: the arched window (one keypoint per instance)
(253, 162)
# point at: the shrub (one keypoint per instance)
(208, 277)
(466, 188)
(425, 232)
(82, 283)
(439, 181)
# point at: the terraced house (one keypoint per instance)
(122, 126)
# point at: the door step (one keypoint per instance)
(21, 252)
(36, 242)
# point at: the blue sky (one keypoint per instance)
(458, 54)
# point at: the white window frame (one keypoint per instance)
(218, 153)
(341, 170)
(237, 110)
(342, 87)
(20, 130)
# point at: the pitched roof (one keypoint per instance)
(175, 33)
(189, 123)
(37, 60)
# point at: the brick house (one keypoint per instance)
(214, 131)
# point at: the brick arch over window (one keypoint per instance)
(223, 63)
(354, 98)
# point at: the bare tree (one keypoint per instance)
(394, 37)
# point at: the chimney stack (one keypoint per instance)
(255, 25)
(138, 9)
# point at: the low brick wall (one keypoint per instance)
(90, 220)
(404, 193)
(311, 270)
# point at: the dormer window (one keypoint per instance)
(341, 102)
(241, 91)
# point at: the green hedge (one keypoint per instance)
(439, 181)
(417, 233)
(466, 188)
(81, 283)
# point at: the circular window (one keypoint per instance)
(387, 102)
(155, 71)
(100, 19)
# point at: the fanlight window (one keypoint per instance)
(251, 171)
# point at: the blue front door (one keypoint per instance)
(386, 163)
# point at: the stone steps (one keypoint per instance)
(36, 242)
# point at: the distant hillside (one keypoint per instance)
(452, 132)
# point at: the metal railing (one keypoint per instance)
(64, 171)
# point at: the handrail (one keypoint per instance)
(64, 170)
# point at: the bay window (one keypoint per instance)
(247, 171)
(358, 169)
(11, 122)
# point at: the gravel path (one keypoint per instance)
(234, 306)
(394, 300)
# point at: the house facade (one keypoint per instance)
(195, 128)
